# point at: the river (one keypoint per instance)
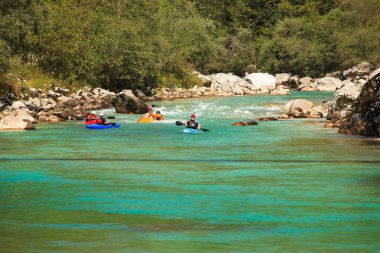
(281, 186)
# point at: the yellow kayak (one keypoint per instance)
(146, 120)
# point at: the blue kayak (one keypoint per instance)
(191, 131)
(96, 126)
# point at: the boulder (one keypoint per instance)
(243, 123)
(102, 93)
(316, 112)
(359, 71)
(336, 74)
(328, 84)
(282, 79)
(305, 80)
(280, 90)
(294, 82)
(126, 102)
(53, 95)
(364, 118)
(18, 105)
(298, 103)
(268, 119)
(261, 81)
(35, 93)
(16, 119)
(228, 84)
(343, 100)
(61, 91)
(48, 118)
(141, 95)
(298, 108)
(48, 104)
(283, 116)
(206, 80)
(66, 102)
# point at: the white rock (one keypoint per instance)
(280, 90)
(261, 81)
(328, 84)
(18, 105)
(17, 120)
(282, 79)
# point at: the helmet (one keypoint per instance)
(93, 112)
(101, 114)
(192, 116)
(158, 112)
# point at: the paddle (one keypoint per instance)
(110, 117)
(180, 123)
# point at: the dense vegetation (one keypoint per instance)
(147, 43)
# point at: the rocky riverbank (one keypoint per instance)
(222, 84)
(58, 105)
(351, 87)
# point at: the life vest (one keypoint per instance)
(158, 116)
(192, 124)
(90, 119)
(99, 121)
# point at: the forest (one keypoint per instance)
(143, 44)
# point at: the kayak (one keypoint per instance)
(145, 120)
(191, 131)
(96, 126)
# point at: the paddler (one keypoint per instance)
(192, 123)
(102, 120)
(91, 118)
(158, 116)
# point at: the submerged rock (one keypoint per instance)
(268, 119)
(283, 116)
(243, 123)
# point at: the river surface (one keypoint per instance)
(281, 186)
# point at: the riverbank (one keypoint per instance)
(58, 105)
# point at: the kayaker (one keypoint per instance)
(192, 123)
(102, 120)
(158, 116)
(91, 118)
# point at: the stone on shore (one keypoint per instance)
(280, 90)
(328, 84)
(126, 102)
(364, 118)
(262, 81)
(16, 119)
(228, 84)
(282, 79)
(359, 71)
(343, 100)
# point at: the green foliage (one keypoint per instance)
(119, 44)
(4, 57)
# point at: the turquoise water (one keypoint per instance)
(283, 186)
